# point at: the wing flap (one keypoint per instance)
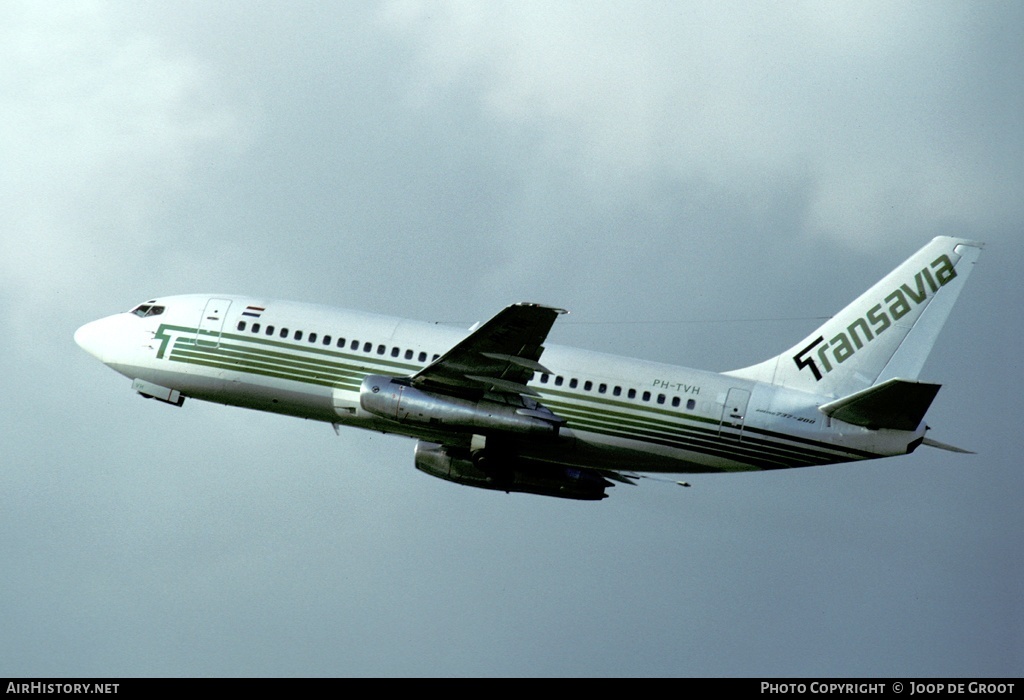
(521, 361)
(502, 385)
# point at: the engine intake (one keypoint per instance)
(395, 400)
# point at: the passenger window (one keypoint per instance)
(367, 346)
(691, 404)
(543, 379)
(284, 333)
(298, 335)
(354, 345)
(602, 388)
(327, 340)
(241, 325)
(270, 330)
(588, 385)
(423, 357)
(558, 380)
(675, 402)
(341, 342)
(255, 328)
(408, 354)
(661, 398)
(312, 337)
(647, 396)
(617, 391)
(394, 352)
(380, 349)
(631, 394)
(573, 383)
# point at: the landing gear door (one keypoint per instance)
(734, 414)
(211, 323)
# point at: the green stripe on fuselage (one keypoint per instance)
(614, 418)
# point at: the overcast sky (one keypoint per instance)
(695, 181)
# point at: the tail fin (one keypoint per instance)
(886, 333)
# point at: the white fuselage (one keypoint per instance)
(309, 361)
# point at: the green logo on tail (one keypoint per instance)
(876, 321)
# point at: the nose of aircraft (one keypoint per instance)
(93, 339)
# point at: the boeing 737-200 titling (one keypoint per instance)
(494, 408)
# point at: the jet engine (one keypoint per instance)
(509, 474)
(397, 400)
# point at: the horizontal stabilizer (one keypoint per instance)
(944, 446)
(897, 404)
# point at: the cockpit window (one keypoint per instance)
(144, 310)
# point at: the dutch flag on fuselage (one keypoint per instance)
(254, 311)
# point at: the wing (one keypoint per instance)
(498, 357)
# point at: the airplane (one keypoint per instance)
(493, 408)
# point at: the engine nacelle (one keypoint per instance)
(390, 398)
(457, 465)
